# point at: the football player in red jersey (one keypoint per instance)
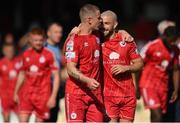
(120, 59)
(83, 96)
(159, 56)
(10, 66)
(35, 76)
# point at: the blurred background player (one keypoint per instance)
(54, 35)
(170, 113)
(10, 66)
(38, 94)
(83, 96)
(177, 107)
(159, 55)
(24, 43)
(119, 92)
(9, 38)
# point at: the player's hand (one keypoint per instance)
(117, 69)
(173, 97)
(51, 102)
(16, 98)
(75, 30)
(126, 36)
(93, 84)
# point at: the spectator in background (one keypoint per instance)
(9, 68)
(54, 35)
(38, 65)
(159, 55)
(23, 43)
(9, 38)
(171, 107)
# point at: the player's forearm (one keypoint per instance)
(20, 80)
(134, 80)
(136, 66)
(56, 84)
(176, 79)
(76, 74)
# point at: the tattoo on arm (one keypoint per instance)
(75, 75)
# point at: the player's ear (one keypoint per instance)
(89, 20)
(115, 25)
(48, 33)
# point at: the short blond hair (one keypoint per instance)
(87, 10)
(165, 24)
(110, 13)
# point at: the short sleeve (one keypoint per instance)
(133, 52)
(71, 49)
(24, 59)
(145, 51)
(52, 62)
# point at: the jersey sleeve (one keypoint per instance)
(133, 52)
(23, 60)
(145, 51)
(72, 50)
(53, 62)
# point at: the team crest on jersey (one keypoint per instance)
(70, 46)
(97, 40)
(122, 43)
(151, 102)
(114, 56)
(164, 64)
(86, 44)
(73, 115)
(96, 54)
(34, 68)
(12, 74)
(158, 53)
(27, 59)
(18, 65)
(42, 59)
(4, 67)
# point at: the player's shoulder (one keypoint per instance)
(18, 58)
(129, 44)
(47, 51)
(73, 39)
(153, 44)
(28, 51)
(2, 60)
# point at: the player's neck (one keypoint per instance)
(38, 50)
(85, 29)
(49, 41)
(111, 35)
(9, 58)
(166, 43)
